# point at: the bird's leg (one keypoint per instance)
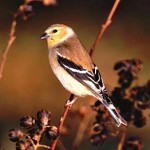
(71, 100)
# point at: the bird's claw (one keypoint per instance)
(70, 102)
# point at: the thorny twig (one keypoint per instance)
(104, 27)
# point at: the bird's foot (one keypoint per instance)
(70, 102)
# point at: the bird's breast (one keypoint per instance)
(69, 82)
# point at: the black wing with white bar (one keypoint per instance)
(99, 80)
(94, 82)
(79, 73)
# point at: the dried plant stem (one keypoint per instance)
(12, 36)
(122, 139)
(38, 145)
(104, 27)
(67, 107)
(43, 146)
(60, 145)
(60, 125)
(10, 42)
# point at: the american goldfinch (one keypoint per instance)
(74, 68)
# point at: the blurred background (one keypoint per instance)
(28, 83)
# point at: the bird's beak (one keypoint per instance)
(45, 36)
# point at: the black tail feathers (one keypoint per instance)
(114, 113)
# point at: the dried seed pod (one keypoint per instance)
(23, 145)
(98, 127)
(15, 135)
(133, 143)
(96, 139)
(35, 135)
(52, 133)
(44, 117)
(139, 122)
(27, 122)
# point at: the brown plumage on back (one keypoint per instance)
(77, 54)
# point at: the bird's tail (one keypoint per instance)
(114, 113)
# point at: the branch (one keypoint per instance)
(38, 145)
(12, 37)
(104, 27)
(62, 121)
(43, 146)
(122, 139)
(10, 42)
(19, 13)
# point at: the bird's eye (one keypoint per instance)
(54, 31)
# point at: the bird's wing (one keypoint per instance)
(91, 80)
(94, 82)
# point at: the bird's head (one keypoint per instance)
(57, 34)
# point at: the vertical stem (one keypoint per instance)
(122, 139)
(104, 27)
(12, 37)
(62, 121)
(10, 42)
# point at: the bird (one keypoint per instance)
(74, 68)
